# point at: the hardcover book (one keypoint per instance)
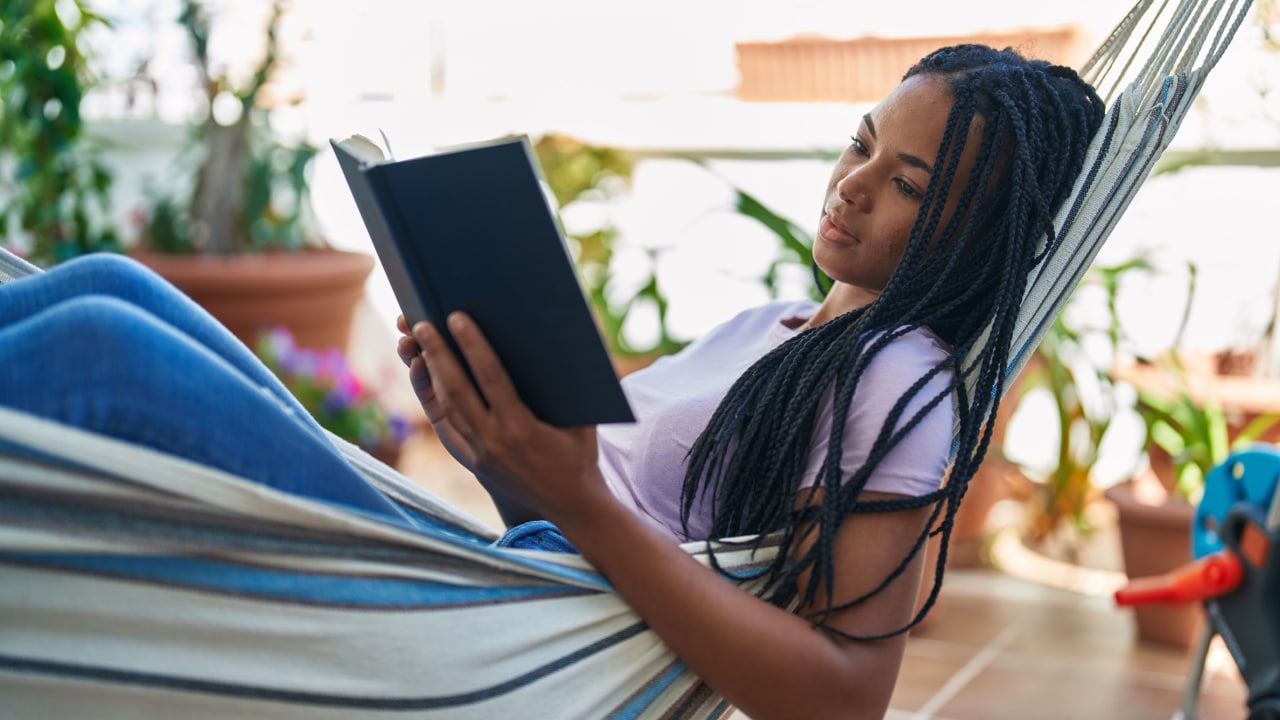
(471, 229)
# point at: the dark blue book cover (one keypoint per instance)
(471, 229)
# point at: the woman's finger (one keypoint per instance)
(408, 349)
(487, 369)
(462, 403)
(402, 325)
(420, 381)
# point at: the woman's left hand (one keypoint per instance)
(544, 468)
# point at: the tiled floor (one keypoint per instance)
(997, 646)
(1002, 647)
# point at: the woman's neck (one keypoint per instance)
(840, 300)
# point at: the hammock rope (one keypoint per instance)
(133, 583)
(1144, 112)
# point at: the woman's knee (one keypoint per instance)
(95, 321)
(88, 342)
(108, 273)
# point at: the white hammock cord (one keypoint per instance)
(1142, 121)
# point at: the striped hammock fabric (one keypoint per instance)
(137, 584)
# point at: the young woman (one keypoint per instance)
(832, 424)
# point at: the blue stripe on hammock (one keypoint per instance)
(641, 702)
(343, 590)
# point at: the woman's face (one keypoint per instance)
(876, 188)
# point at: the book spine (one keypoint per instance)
(414, 265)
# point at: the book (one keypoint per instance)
(471, 229)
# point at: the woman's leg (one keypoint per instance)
(99, 363)
(125, 278)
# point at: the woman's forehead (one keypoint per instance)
(917, 106)
(915, 114)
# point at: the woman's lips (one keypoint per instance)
(832, 231)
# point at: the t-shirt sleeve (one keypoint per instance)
(917, 464)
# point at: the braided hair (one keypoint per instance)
(1036, 121)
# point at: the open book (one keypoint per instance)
(470, 229)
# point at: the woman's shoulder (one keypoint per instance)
(762, 321)
(919, 342)
(909, 356)
(777, 311)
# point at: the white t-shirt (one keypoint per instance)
(644, 462)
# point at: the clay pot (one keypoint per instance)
(1154, 539)
(970, 534)
(313, 293)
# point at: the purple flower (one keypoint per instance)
(276, 343)
(400, 429)
(302, 363)
(339, 398)
(332, 366)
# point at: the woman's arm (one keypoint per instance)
(766, 661)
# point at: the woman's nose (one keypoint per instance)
(853, 189)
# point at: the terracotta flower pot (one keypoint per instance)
(313, 293)
(1154, 539)
(970, 534)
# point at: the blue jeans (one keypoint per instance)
(536, 535)
(102, 343)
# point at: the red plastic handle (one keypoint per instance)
(1208, 577)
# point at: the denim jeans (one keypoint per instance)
(536, 535)
(102, 343)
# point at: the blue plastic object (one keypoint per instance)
(1247, 476)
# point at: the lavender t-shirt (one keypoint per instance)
(673, 399)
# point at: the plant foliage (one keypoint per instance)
(250, 190)
(54, 187)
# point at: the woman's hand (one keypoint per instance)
(411, 355)
(546, 471)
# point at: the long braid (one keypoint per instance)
(1038, 120)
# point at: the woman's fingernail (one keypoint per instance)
(457, 322)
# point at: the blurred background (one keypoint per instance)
(686, 146)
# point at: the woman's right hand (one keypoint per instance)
(411, 355)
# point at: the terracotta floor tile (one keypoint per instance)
(927, 666)
(1015, 688)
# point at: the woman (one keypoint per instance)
(838, 431)
(830, 424)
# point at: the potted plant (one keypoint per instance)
(1193, 418)
(1068, 369)
(1196, 410)
(54, 186)
(237, 237)
(1187, 435)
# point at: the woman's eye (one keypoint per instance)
(856, 145)
(907, 190)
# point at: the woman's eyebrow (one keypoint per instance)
(907, 158)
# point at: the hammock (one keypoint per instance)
(134, 583)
